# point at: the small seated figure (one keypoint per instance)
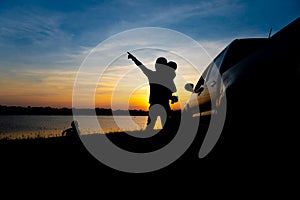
(73, 131)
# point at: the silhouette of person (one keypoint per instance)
(161, 82)
(72, 132)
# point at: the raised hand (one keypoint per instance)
(130, 56)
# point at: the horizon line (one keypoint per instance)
(75, 108)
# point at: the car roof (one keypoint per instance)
(237, 50)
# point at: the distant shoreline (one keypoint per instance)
(20, 110)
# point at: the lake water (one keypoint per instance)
(31, 126)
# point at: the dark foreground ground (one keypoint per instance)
(237, 158)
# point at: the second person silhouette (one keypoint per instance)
(161, 82)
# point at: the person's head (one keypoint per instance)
(172, 64)
(74, 124)
(161, 61)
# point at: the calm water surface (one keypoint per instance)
(31, 126)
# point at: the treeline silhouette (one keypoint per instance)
(19, 110)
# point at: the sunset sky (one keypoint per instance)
(43, 44)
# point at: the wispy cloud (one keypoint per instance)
(177, 12)
(32, 26)
(165, 14)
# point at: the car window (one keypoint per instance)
(217, 61)
(216, 64)
(201, 79)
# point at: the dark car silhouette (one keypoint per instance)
(256, 79)
(210, 89)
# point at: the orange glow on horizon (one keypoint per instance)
(55, 89)
(139, 100)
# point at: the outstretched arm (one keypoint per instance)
(66, 131)
(138, 63)
(134, 59)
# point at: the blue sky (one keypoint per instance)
(40, 40)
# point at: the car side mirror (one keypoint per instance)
(189, 87)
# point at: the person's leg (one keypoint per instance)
(152, 116)
(167, 120)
